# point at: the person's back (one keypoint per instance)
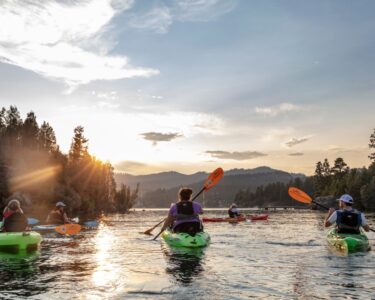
(57, 215)
(13, 218)
(183, 216)
(16, 222)
(233, 211)
(347, 219)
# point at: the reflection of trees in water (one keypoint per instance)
(184, 264)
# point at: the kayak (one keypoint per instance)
(14, 242)
(346, 243)
(230, 220)
(63, 229)
(262, 217)
(181, 239)
(44, 228)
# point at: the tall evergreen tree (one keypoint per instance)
(340, 168)
(47, 138)
(30, 131)
(372, 146)
(79, 147)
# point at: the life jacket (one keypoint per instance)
(16, 222)
(56, 217)
(233, 213)
(185, 210)
(348, 221)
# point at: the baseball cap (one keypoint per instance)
(346, 198)
(60, 204)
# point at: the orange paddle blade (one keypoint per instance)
(214, 178)
(299, 195)
(68, 229)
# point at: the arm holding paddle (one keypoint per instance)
(301, 196)
(210, 182)
(327, 222)
(167, 223)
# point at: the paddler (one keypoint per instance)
(183, 216)
(58, 215)
(347, 219)
(14, 219)
(233, 211)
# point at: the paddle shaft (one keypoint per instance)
(195, 197)
(321, 205)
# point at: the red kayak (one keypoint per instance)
(230, 220)
(261, 217)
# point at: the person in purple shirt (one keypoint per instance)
(183, 216)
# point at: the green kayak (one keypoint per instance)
(14, 242)
(201, 239)
(346, 243)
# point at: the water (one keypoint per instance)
(284, 258)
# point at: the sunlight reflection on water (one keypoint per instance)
(284, 258)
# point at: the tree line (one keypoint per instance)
(35, 171)
(329, 181)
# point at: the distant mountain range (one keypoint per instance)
(160, 189)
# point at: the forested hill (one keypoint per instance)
(159, 190)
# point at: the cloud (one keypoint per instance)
(273, 111)
(65, 40)
(156, 137)
(296, 141)
(160, 17)
(236, 155)
(296, 154)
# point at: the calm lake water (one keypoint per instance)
(284, 258)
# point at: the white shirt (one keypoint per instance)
(333, 218)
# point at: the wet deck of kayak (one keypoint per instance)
(283, 258)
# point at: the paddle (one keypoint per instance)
(91, 224)
(210, 182)
(32, 221)
(148, 231)
(68, 229)
(301, 196)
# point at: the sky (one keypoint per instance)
(190, 85)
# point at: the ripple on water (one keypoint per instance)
(284, 258)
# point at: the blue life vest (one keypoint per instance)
(348, 221)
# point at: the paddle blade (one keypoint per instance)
(68, 229)
(299, 195)
(91, 224)
(32, 221)
(214, 178)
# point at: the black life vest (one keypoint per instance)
(185, 210)
(348, 221)
(16, 222)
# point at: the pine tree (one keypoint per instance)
(318, 179)
(79, 147)
(47, 138)
(372, 146)
(340, 168)
(30, 131)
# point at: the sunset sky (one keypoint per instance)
(191, 85)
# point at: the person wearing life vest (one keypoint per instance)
(14, 219)
(233, 211)
(183, 216)
(347, 219)
(58, 215)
